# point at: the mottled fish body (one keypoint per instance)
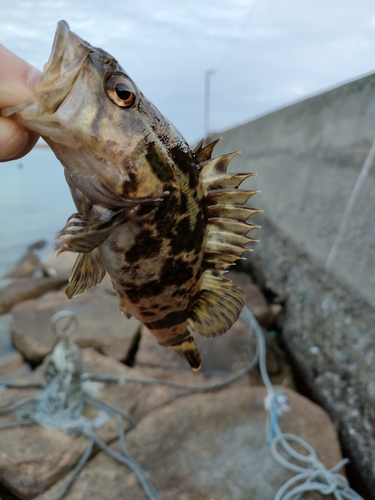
(164, 221)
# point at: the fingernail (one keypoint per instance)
(13, 147)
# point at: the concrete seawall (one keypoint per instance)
(308, 157)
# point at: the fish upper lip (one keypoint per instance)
(59, 43)
(68, 55)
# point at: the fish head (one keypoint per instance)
(99, 125)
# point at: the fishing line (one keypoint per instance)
(349, 207)
(238, 39)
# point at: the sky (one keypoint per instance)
(265, 54)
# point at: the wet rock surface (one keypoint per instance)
(26, 289)
(207, 447)
(101, 325)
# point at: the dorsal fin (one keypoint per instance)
(88, 271)
(219, 302)
(204, 153)
(217, 305)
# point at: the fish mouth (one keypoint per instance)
(68, 54)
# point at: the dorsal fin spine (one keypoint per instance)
(233, 212)
(219, 302)
(223, 181)
(203, 153)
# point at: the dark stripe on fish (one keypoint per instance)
(177, 340)
(155, 157)
(172, 319)
(145, 246)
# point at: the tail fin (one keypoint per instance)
(189, 351)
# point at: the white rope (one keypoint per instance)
(314, 476)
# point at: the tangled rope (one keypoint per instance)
(59, 405)
(315, 476)
(64, 393)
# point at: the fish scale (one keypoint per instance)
(163, 220)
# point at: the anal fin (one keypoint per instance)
(217, 306)
(88, 271)
(189, 351)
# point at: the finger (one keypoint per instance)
(17, 78)
(15, 140)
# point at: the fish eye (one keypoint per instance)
(120, 90)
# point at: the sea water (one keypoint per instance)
(35, 203)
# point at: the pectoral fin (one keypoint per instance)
(82, 236)
(88, 271)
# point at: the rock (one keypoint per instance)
(276, 309)
(101, 325)
(33, 458)
(255, 300)
(60, 265)
(25, 267)
(207, 447)
(38, 245)
(5, 342)
(10, 362)
(21, 372)
(220, 356)
(25, 289)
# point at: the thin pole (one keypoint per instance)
(207, 89)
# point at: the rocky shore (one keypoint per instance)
(192, 446)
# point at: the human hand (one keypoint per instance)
(17, 78)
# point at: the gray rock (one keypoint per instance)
(101, 325)
(208, 447)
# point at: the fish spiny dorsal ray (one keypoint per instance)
(203, 153)
(219, 302)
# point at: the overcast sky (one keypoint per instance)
(265, 53)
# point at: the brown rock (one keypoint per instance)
(255, 300)
(37, 245)
(221, 356)
(61, 264)
(207, 447)
(25, 267)
(33, 458)
(101, 325)
(25, 289)
(20, 373)
(10, 362)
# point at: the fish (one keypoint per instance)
(162, 219)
